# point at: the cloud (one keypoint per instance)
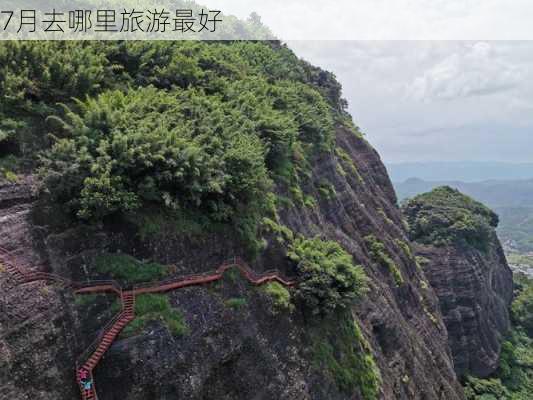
(418, 133)
(435, 100)
(474, 70)
(391, 19)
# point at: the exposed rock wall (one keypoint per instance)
(247, 353)
(466, 266)
(37, 341)
(475, 291)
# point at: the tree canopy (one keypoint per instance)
(445, 216)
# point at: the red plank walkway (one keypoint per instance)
(87, 361)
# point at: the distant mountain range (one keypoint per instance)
(493, 193)
(467, 171)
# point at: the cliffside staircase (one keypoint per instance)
(22, 275)
(90, 358)
(94, 353)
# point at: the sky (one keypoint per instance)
(389, 19)
(454, 94)
(436, 100)
(441, 99)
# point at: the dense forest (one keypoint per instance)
(193, 134)
(194, 127)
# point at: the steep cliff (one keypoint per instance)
(227, 339)
(465, 264)
(236, 353)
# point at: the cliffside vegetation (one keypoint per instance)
(340, 349)
(445, 216)
(197, 131)
(380, 256)
(514, 378)
(191, 136)
(329, 278)
(153, 307)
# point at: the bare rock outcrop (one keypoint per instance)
(251, 351)
(465, 264)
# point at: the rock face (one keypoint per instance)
(37, 340)
(227, 352)
(472, 281)
(475, 291)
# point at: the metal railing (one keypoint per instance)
(244, 268)
(91, 348)
(92, 286)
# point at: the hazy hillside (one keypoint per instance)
(466, 171)
(494, 193)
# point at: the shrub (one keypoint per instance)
(280, 296)
(341, 351)
(522, 308)
(10, 176)
(326, 190)
(348, 163)
(484, 389)
(153, 307)
(514, 378)
(380, 255)
(236, 303)
(405, 248)
(127, 268)
(9, 166)
(329, 279)
(282, 233)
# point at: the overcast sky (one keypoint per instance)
(389, 19)
(424, 101)
(415, 100)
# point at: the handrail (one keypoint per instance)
(85, 287)
(145, 285)
(244, 268)
(91, 348)
(79, 287)
(96, 286)
(39, 275)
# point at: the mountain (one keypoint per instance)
(494, 193)
(466, 171)
(512, 200)
(461, 255)
(205, 221)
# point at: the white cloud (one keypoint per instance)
(435, 100)
(391, 19)
(475, 70)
